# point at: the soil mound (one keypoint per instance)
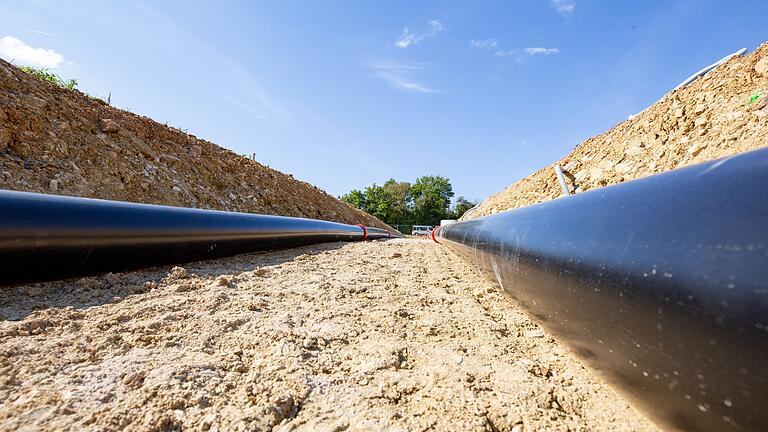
(720, 114)
(59, 141)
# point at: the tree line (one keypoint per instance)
(423, 202)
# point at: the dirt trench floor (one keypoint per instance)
(397, 335)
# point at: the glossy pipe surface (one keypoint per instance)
(661, 284)
(45, 237)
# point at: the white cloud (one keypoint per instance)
(541, 51)
(521, 54)
(17, 51)
(487, 43)
(507, 53)
(437, 26)
(407, 38)
(400, 75)
(563, 7)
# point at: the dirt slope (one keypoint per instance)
(710, 118)
(396, 335)
(58, 141)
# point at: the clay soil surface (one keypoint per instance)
(396, 335)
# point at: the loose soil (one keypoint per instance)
(721, 114)
(396, 335)
(58, 141)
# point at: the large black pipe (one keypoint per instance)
(661, 284)
(45, 237)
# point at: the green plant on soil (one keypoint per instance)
(50, 77)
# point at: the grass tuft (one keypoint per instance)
(50, 77)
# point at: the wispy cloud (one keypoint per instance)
(541, 51)
(407, 38)
(563, 7)
(252, 97)
(400, 75)
(16, 50)
(507, 53)
(38, 32)
(486, 43)
(520, 54)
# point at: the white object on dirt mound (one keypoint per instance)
(701, 72)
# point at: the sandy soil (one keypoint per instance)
(397, 335)
(721, 114)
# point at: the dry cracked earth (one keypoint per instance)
(398, 335)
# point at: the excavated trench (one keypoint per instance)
(398, 334)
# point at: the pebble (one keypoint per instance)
(595, 174)
(695, 149)
(534, 334)
(624, 167)
(5, 138)
(581, 175)
(606, 164)
(108, 126)
(397, 255)
(178, 273)
(735, 115)
(196, 151)
(53, 185)
(762, 66)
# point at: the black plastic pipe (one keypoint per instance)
(46, 237)
(661, 284)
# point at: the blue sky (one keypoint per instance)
(343, 94)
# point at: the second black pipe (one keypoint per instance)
(45, 237)
(661, 284)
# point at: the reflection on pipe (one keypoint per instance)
(44, 237)
(661, 284)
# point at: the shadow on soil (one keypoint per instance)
(19, 301)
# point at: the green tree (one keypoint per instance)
(431, 199)
(461, 207)
(355, 197)
(399, 194)
(378, 202)
(424, 202)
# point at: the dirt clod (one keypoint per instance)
(108, 126)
